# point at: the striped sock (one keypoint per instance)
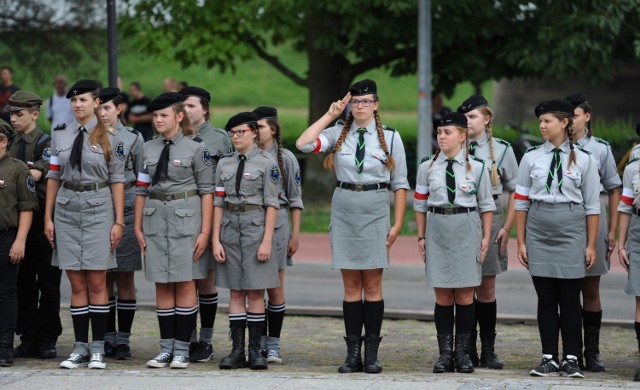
(99, 316)
(111, 322)
(255, 319)
(238, 319)
(275, 314)
(80, 319)
(167, 323)
(126, 312)
(186, 318)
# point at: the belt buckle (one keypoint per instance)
(80, 187)
(358, 188)
(448, 211)
(236, 208)
(168, 197)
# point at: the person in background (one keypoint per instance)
(7, 88)
(58, 106)
(169, 85)
(181, 85)
(138, 114)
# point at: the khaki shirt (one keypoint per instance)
(580, 182)
(128, 150)
(473, 187)
(630, 187)
(38, 141)
(17, 191)
(260, 182)
(216, 140)
(505, 161)
(291, 193)
(601, 152)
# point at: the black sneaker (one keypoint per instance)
(75, 360)
(47, 350)
(546, 367)
(202, 353)
(26, 349)
(109, 349)
(123, 352)
(162, 360)
(570, 367)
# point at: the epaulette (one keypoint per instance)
(601, 140)
(501, 141)
(197, 139)
(426, 158)
(384, 127)
(633, 160)
(533, 148)
(132, 130)
(583, 150)
(477, 159)
(111, 130)
(226, 155)
(60, 126)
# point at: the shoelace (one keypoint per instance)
(96, 356)
(162, 356)
(75, 356)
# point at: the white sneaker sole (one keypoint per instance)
(178, 365)
(542, 374)
(70, 365)
(98, 365)
(154, 364)
(274, 359)
(576, 375)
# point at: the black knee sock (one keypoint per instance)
(486, 313)
(208, 308)
(353, 317)
(186, 318)
(126, 312)
(275, 318)
(591, 319)
(373, 313)
(255, 319)
(637, 326)
(238, 319)
(265, 328)
(443, 316)
(111, 322)
(99, 316)
(80, 319)
(465, 315)
(167, 322)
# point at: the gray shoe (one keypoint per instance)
(97, 361)
(75, 360)
(179, 362)
(273, 356)
(162, 360)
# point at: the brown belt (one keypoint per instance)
(84, 187)
(129, 185)
(450, 210)
(174, 196)
(240, 208)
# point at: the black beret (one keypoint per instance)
(165, 100)
(240, 119)
(576, 99)
(454, 119)
(107, 94)
(364, 87)
(195, 91)
(265, 112)
(23, 99)
(473, 102)
(6, 129)
(83, 86)
(558, 106)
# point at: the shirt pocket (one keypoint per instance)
(60, 211)
(96, 155)
(97, 209)
(7, 192)
(538, 180)
(149, 223)
(573, 177)
(345, 156)
(181, 168)
(379, 155)
(185, 222)
(251, 183)
(150, 166)
(228, 181)
(63, 152)
(468, 187)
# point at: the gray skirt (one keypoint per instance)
(602, 245)
(453, 250)
(281, 236)
(241, 235)
(170, 232)
(358, 229)
(556, 239)
(494, 263)
(83, 222)
(633, 245)
(128, 253)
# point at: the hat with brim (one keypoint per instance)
(23, 99)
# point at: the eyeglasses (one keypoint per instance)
(365, 103)
(239, 133)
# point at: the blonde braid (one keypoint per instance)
(390, 164)
(275, 126)
(328, 162)
(495, 178)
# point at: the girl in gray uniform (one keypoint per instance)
(606, 241)
(216, 140)
(629, 237)
(368, 159)
(557, 190)
(449, 186)
(246, 205)
(128, 148)
(84, 217)
(501, 163)
(173, 214)
(286, 236)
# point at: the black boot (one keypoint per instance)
(592, 349)
(353, 362)
(256, 360)
(371, 363)
(6, 347)
(488, 357)
(445, 361)
(473, 349)
(236, 359)
(461, 354)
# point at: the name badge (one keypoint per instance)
(176, 162)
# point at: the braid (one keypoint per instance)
(495, 178)
(586, 108)
(275, 127)
(466, 150)
(328, 161)
(435, 156)
(569, 131)
(390, 163)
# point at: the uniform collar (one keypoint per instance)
(176, 138)
(584, 140)
(459, 158)
(548, 147)
(273, 148)
(252, 152)
(204, 127)
(89, 126)
(371, 127)
(4, 158)
(29, 138)
(484, 138)
(118, 127)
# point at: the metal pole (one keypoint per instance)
(424, 80)
(112, 43)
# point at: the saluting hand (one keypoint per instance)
(141, 242)
(49, 232)
(337, 107)
(218, 251)
(623, 256)
(522, 256)
(200, 246)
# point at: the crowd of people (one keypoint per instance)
(101, 200)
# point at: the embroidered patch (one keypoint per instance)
(31, 184)
(120, 151)
(206, 156)
(275, 174)
(46, 154)
(94, 148)
(298, 177)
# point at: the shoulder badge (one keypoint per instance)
(120, 151)
(31, 184)
(501, 141)
(60, 126)
(426, 158)
(533, 148)
(601, 140)
(197, 139)
(226, 155)
(632, 160)
(477, 159)
(206, 156)
(298, 177)
(583, 150)
(132, 130)
(385, 127)
(275, 174)
(112, 130)
(46, 154)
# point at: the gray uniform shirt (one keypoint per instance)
(291, 193)
(630, 187)
(260, 183)
(635, 152)
(374, 170)
(216, 140)
(580, 182)
(128, 149)
(505, 161)
(94, 166)
(473, 187)
(189, 166)
(601, 152)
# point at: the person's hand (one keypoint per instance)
(294, 244)
(16, 253)
(392, 235)
(623, 256)
(141, 242)
(115, 236)
(37, 175)
(49, 232)
(522, 256)
(612, 243)
(422, 250)
(264, 251)
(502, 238)
(484, 248)
(337, 107)
(200, 245)
(218, 251)
(590, 257)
